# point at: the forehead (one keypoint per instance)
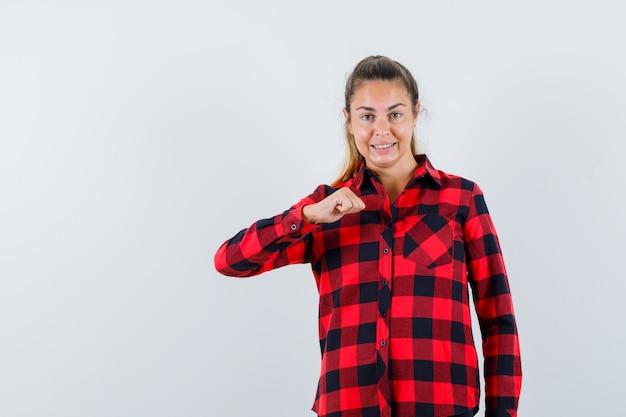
(380, 92)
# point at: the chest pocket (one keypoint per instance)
(430, 241)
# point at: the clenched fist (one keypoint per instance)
(333, 207)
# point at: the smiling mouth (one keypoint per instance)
(383, 146)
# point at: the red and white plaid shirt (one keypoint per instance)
(394, 311)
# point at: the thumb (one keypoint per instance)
(339, 205)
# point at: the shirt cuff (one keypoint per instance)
(498, 412)
(294, 225)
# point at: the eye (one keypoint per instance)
(395, 115)
(366, 117)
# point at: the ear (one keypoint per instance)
(416, 111)
(346, 117)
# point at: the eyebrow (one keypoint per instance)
(388, 108)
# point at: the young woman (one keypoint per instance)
(393, 245)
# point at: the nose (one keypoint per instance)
(381, 128)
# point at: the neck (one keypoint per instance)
(394, 180)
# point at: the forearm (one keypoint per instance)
(267, 244)
(503, 369)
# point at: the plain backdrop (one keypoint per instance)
(136, 136)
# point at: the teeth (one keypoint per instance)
(385, 146)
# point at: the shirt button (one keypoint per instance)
(386, 251)
(293, 226)
(385, 282)
(383, 343)
(383, 314)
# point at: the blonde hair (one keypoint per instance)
(372, 68)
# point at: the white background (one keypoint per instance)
(136, 136)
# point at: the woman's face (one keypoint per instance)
(382, 119)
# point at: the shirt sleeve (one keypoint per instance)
(494, 307)
(269, 243)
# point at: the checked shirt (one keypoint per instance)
(394, 311)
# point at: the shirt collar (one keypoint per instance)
(425, 170)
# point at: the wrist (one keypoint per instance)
(308, 214)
